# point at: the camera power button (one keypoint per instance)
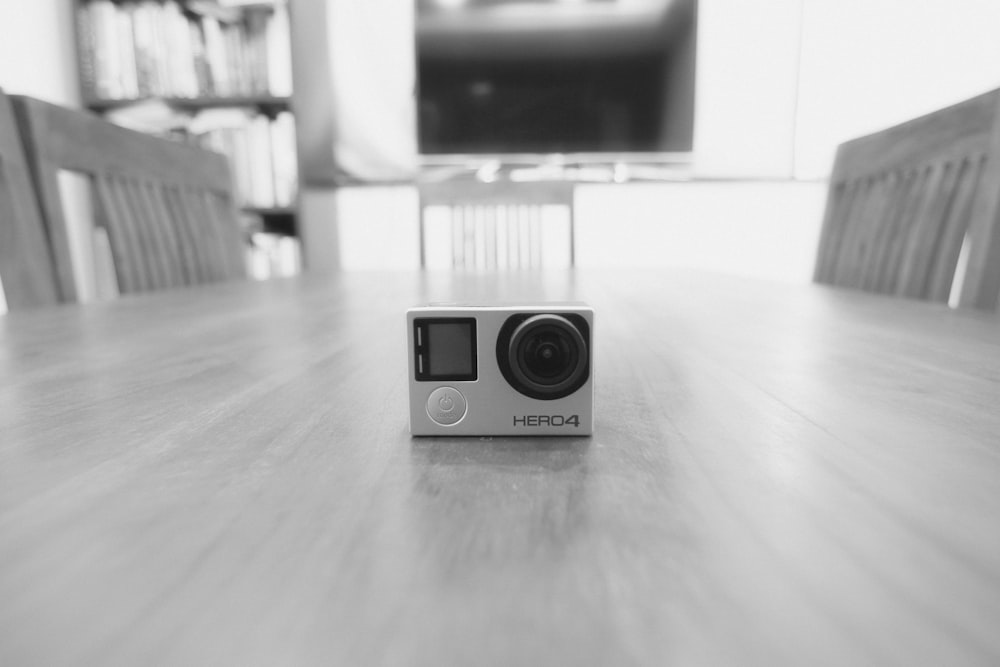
(446, 406)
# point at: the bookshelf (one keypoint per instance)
(268, 103)
(213, 72)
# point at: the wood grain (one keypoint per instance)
(779, 475)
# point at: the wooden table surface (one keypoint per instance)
(779, 475)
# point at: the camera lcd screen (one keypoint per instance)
(446, 349)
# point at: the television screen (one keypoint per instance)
(597, 76)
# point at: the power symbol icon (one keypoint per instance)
(446, 406)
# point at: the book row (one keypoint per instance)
(261, 153)
(167, 48)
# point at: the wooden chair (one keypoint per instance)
(167, 207)
(498, 225)
(26, 268)
(903, 202)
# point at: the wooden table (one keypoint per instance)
(779, 475)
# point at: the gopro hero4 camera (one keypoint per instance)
(483, 370)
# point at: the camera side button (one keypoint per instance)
(446, 406)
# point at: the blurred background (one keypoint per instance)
(695, 133)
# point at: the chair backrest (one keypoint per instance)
(167, 207)
(26, 268)
(497, 225)
(904, 202)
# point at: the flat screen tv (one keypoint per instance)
(588, 77)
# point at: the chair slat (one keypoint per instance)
(867, 230)
(160, 233)
(903, 229)
(956, 225)
(831, 232)
(881, 235)
(186, 238)
(186, 216)
(893, 237)
(171, 245)
(213, 231)
(852, 230)
(851, 193)
(199, 224)
(228, 240)
(231, 239)
(145, 231)
(114, 215)
(925, 230)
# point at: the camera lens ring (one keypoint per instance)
(548, 357)
(543, 354)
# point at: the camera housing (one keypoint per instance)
(520, 369)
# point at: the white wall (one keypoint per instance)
(758, 229)
(37, 56)
(745, 88)
(766, 230)
(378, 227)
(781, 82)
(869, 64)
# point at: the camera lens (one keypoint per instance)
(546, 356)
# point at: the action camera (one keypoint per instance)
(501, 370)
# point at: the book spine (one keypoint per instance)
(85, 45)
(279, 53)
(215, 57)
(128, 73)
(142, 35)
(158, 20)
(284, 159)
(202, 72)
(102, 20)
(262, 164)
